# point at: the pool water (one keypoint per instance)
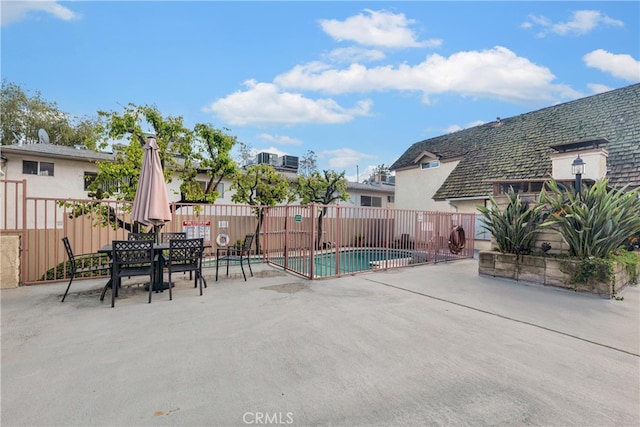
(347, 261)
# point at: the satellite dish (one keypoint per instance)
(43, 136)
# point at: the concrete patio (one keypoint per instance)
(426, 345)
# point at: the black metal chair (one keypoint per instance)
(142, 236)
(133, 258)
(186, 255)
(167, 237)
(93, 264)
(237, 255)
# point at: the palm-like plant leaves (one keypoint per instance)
(596, 222)
(515, 228)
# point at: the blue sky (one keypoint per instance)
(356, 82)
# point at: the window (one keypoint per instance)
(520, 187)
(375, 202)
(29, 167)
(430, 165)
(37, 168)
(391, 199)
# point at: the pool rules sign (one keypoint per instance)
(196, 229)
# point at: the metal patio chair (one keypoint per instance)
(167, 237)
(86, 264)
(133, 258)
(186, 255)
(240, 255)
(142, 236)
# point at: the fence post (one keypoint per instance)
(312, 243)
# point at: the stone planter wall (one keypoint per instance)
(548, 271)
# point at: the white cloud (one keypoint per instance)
(618, 65)
(354, 54)
(598, 88)
(264, 103)
(376, 28)
(343, 158)
(455, 128)
(15, 11)
(279, 139)
(582, 22)
(496, 73)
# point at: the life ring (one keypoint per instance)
(222, 239)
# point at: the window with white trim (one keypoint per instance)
(372, 201)
(30, 167)
(430, 165)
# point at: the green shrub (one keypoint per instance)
(630, 261)
(594, 223)
(515, 228)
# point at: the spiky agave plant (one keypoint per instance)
(516, 226)
(597, 221)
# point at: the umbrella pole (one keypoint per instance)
(156, 232)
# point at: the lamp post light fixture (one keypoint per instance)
(577, 169)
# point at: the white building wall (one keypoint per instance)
(595, 164)
(67, 180)
(415, 187)
(354, 198)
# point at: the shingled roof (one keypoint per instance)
(59, 151)
(519, 147)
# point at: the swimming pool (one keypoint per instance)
(350, 261)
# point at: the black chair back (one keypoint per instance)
(133, 258)
(186, 251)
(131, 252)
(186, 255)
(248, 241)
(167, 237)
(142, 236)
(67, 247)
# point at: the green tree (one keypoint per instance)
(308, 163)
(325, 189)
(185, 153)
(23, 114)
(260, 186)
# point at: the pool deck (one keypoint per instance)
(423, 345)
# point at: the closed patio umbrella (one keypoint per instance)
(151, 204)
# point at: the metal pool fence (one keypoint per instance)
(317, 241)
(313, 241)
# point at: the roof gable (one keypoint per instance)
(519, 147)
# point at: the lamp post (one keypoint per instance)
(577, 169)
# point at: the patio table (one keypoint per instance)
(158, 285)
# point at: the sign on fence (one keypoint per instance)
(196, 229)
